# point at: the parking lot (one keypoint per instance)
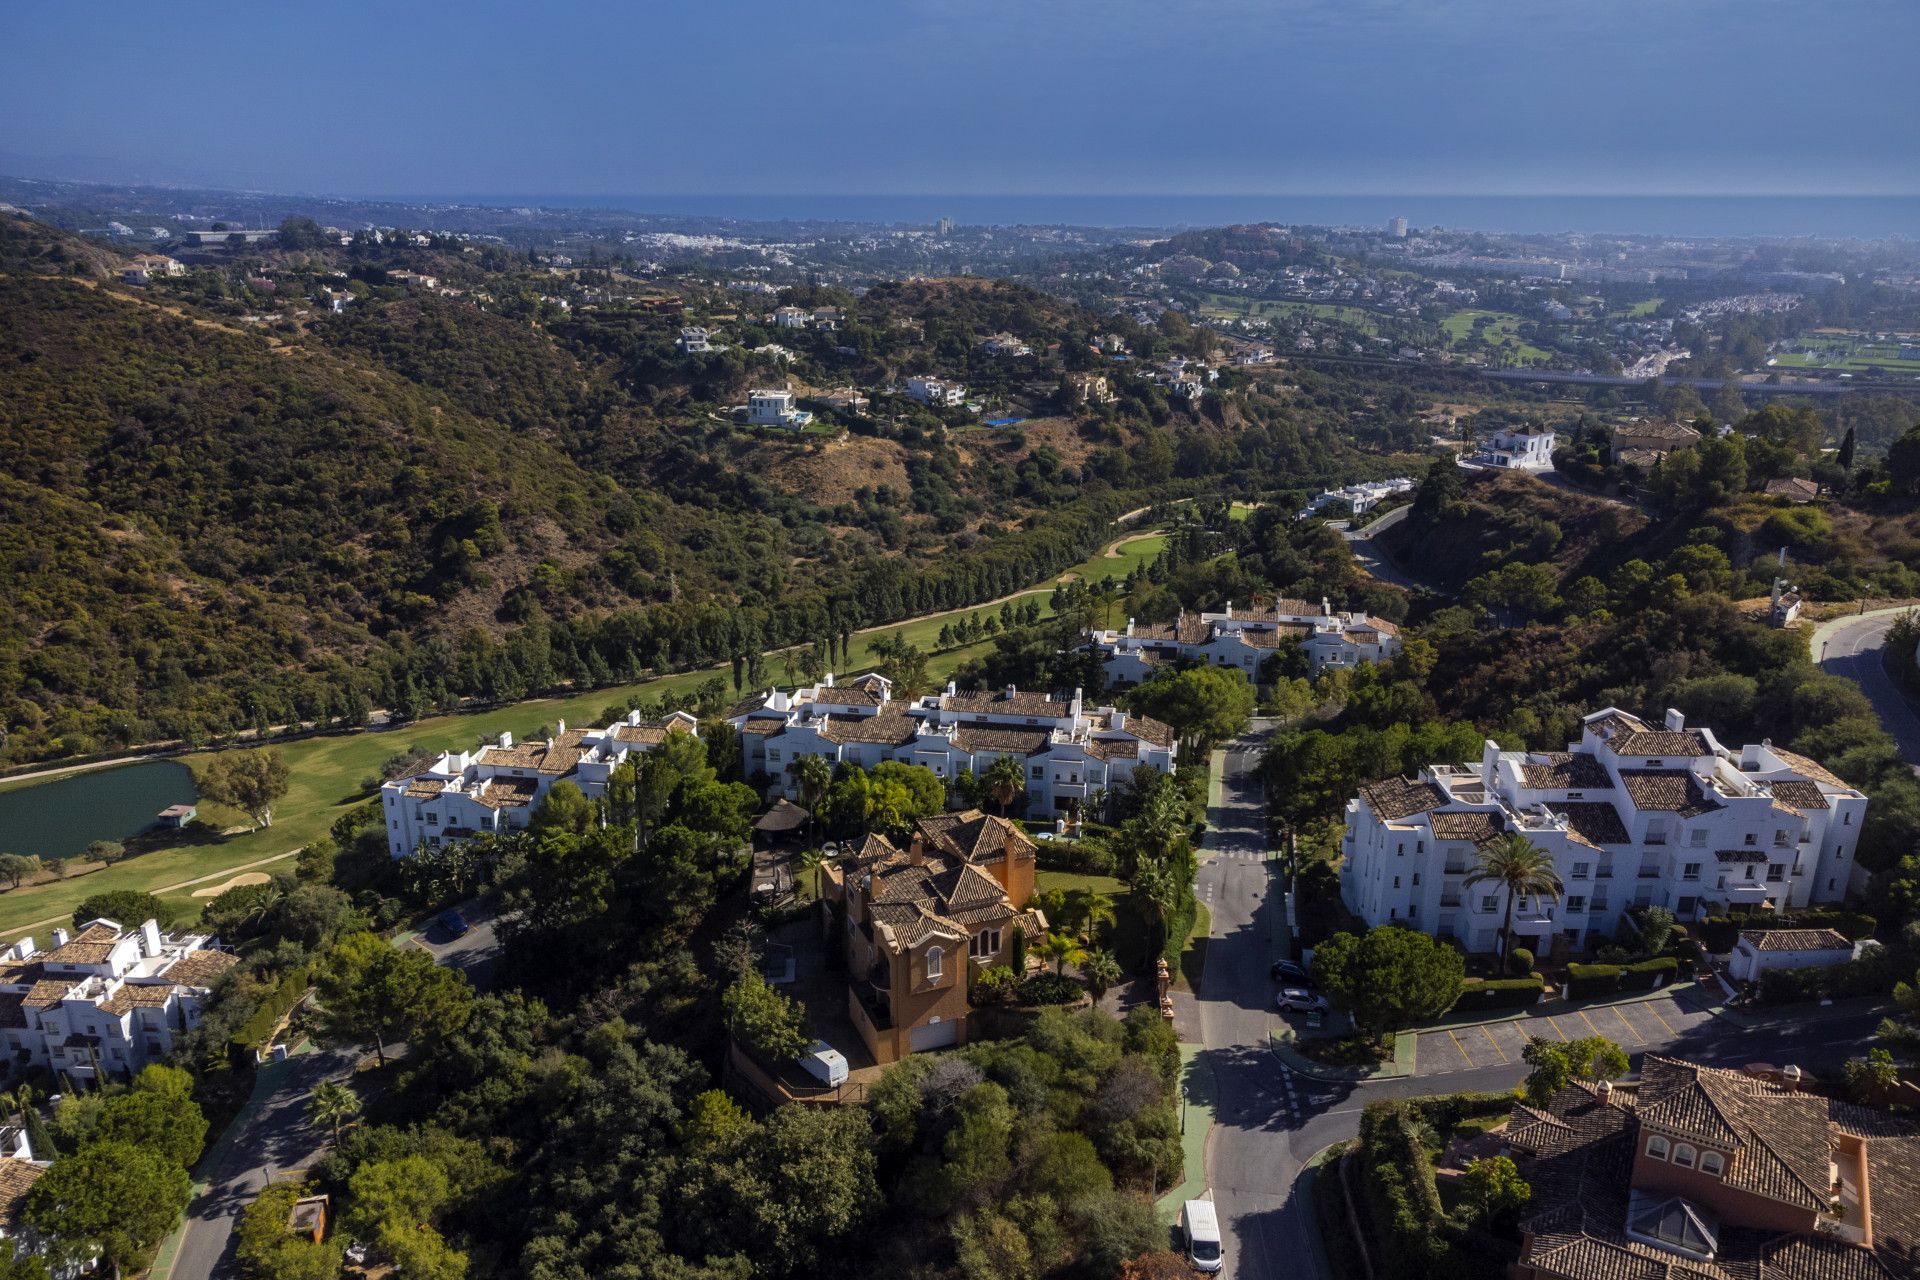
(1660, 1024)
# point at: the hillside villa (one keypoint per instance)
(1632, 816)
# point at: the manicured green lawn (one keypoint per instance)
(1504, 327)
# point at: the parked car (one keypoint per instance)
(454, 923)
(1293, 972)
(1300, 1000)
(1200, 1227)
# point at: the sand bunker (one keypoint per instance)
(245, 877)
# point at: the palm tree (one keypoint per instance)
(1519, 866)
(1090, 910)
(1004, 779)
(814, 775)
(1099, 971)
(1062, 950)
(332, 1105)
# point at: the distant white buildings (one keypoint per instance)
(1071, 753)
(104, 1002)
(1397, 228)
(1246, 639)
(843, 399)
(1528, 448)
(774, 408)
(147, 267)
(791, 318)
(936, 391)
(1632, 816)
(497, 787)
(1362, 497)
(695, 340)
(1004, 344)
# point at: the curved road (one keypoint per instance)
(1854, 647)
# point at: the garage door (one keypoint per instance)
(935, 1035)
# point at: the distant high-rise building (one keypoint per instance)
(1397, 228)
(946, 226)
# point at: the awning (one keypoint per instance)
(784, 816)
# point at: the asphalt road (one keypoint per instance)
(1269, 1121)
(1853, 647)
(273, 1140)
(1374, 560)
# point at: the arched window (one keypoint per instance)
(1711, 1163)
(935, 957)
(1683, 1156)
(1656, 1148)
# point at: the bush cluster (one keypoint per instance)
(1500, 993)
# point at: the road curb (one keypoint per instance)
(1197, 1111)
(1554, 1007)
(1405, 1059)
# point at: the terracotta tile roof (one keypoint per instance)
(875, 848)
(1662, 742)
(425, 788)
(1002, 703)
(762, 726)
(16, 1180)
(1480, 828)
(846, 696)
(1793, 487)
(506, 793)
(1381, 625)
(1811, 768)
(974, 835)
(1667, 791)
(889, 729)
(1113, 748)
(1397, 798)
(1147, 729)
(1566, 771)
(78, 952)
(199, 968)
(1665, 433)
(47, 992)
(969, 737)
(1800, 795)
(1796, 940)
(649, 733)
(748, 705)
(1594, 821)
(1615, 721)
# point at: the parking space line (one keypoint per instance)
(1465, 1056)
(1495, 1043)
(1653, 1007)
(1632, 1030)
(1555, 1024)
(1589, 1021)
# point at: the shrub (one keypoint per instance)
(1050, 988)
(1520, 963)
(1587, 980)
(1500, 993)
(1648, 974)
(998, 985)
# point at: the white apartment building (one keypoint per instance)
(936, 391)
(1246, 639)
(792, 318)
(104, 1002)
(1632, 816)
(496, 788)
(1362, 497)
(1527, 448)
(774, 408)
(695, 340)
(1004, 344)
(1071, 752)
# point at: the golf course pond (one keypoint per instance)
(61, 816)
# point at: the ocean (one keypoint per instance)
(1862, 217)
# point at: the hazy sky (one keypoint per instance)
(568, 97)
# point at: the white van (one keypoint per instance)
(1200, 1228)
(825, 1063)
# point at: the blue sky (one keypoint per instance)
(970, 96)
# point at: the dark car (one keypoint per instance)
(1291, 972)
(454, 923)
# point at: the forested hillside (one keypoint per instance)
(226, 509)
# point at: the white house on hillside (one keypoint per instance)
(1528, 448)
(497, 787)
(1362, 497)
(1071, 752)
(1246, 639)
(774, 408)
(1631, 815)
(936, 391)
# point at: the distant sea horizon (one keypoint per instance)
(1852, 216)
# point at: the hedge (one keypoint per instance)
(255, 1031)
(1719, 933)
(1648, 974)
(1585, 981)
(1873, 974)
(1501, 993)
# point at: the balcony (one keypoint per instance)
(1450, 900)
(1648, 873)
(1603, 873)
(1455, 868)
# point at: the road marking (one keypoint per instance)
(1652, 1007)
(1464, 1055)
(1614, 1009)
(1589, 1021)
(1495, 1043)
(1554, 1023)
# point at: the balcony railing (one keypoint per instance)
(1456, 868)
(1450, 900)
(1604, 873)
(1648, 873)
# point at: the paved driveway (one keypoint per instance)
(1663, 1025)
(1853, 647)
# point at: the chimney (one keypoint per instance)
(633, 716)
(150, 939)
(23, 948)
(1606, 1092)
(1129, 626)
(61, 937)
(1326, 607)
(917, 850)
(1118, 720)
(506, 739)
(561, 731)
(1792, 1076)
(1675, 721)
(1010, 691)
(827, 680)
(953, 689)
